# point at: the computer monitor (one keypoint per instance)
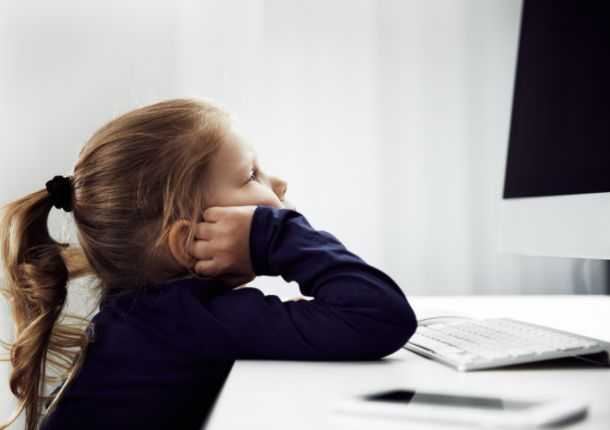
(556, 198)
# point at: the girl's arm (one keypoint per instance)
(358, 312)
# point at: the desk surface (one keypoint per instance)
(299, 395)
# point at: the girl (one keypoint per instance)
(171, 320)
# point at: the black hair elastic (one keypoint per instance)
(60, 190)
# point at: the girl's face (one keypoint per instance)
(238, 180)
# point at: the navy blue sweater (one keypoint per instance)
(159, 356)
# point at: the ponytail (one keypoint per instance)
(37, 270)
(135, 177)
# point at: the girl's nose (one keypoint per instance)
(279, 187)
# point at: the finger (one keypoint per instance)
(204, 230)
(213, 214)
(201, 250)
(206, 268)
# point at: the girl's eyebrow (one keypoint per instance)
(252, 163)
(249, 165)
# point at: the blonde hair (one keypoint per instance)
(133, 179)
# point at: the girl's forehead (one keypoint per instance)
(237, 149)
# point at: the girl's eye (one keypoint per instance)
(252, 176)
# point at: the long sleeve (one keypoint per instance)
(358, 312)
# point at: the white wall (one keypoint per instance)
(389, 119)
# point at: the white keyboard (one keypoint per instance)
(472, 344)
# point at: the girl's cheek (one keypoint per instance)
(253, 196)
(272, 200)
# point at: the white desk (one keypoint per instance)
(298, 395)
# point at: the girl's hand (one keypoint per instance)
(222, 244)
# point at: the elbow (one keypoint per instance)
(400, 331)
(397, 328)
(408, 324)
(379, 328)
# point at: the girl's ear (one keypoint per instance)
(177, 240)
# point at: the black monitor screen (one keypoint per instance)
(560, 129)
